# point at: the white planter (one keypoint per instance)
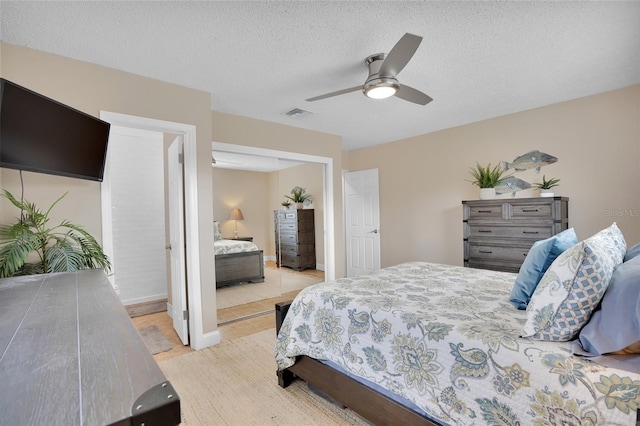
(299, 206)
(487, 193)
(546, 193)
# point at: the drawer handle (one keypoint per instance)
(484, 211)
(529, 210)
(529, 232)
(485, 251)
(487, 231)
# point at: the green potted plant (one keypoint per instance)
(546, 185)
(299, 196)
(286, 204)
(486, 178)
(61, 248)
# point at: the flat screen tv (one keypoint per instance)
(39, 134)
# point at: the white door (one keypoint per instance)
(362, 223)
(176, 241)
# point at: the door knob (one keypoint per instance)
(375, 231)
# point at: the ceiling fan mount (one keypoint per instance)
(382, 81)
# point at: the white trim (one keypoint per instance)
(145, 299)
(327, 176)
(169, 310)
(192, 236)
(210, 339)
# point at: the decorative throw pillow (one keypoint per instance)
(615, 326)
(217, 235)
(573, 286)
(538, 260)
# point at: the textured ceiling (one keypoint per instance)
(261, 59)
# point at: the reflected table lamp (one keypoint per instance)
(236, 214)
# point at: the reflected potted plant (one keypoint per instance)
(486, 178)
(546, 185)
(299, 197)
(286, 204)
(61, 248)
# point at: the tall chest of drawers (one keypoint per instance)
(497, 234)
(295, 238)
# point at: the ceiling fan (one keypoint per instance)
(383, 70)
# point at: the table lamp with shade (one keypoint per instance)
(236, 214)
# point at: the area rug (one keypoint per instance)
(154, 339)
(235, 383)
(276, 282)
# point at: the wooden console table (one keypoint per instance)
(70, 355)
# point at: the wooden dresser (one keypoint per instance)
(70, 355)
(295, 238)
(498, 233)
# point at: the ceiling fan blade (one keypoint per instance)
(400, 55)
(339, 92)
(412, 95)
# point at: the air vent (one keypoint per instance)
(297, 113)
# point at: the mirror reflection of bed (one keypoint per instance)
(249, 281)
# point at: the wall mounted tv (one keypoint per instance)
(39, 134)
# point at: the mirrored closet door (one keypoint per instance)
(248, 198)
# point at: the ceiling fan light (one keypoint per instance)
(381, 92)
(381, 88)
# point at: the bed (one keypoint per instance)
(424, 343)
(238, 262)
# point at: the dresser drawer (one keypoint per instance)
(490, 252)
(480, 212)
(506, 231)
(530, 211)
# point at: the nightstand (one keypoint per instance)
(241, 239)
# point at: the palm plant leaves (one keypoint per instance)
(66, 247)
(486, 177)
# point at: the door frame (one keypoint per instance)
(196, 335)
(328, 204)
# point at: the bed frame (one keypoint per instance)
(235, 268)
(345, 391)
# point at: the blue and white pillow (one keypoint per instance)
(573, 286)
(538, 260)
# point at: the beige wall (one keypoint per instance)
(245, 131)
(248, 191)
(92, 88)
(423, 179)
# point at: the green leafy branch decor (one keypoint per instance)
(299, 195)
(547, 184)
(486, 177)
(65, 247)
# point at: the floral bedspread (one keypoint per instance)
(447, 339)
(233, 246)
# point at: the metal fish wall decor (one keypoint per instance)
(530, 160)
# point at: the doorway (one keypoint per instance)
(188, 133)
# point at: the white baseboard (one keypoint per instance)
(144, 299)
(170, 310)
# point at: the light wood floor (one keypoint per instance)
(231, 330)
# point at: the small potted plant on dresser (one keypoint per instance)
(486, 178)
(546, 185)
(299, 197)
(286, 204)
